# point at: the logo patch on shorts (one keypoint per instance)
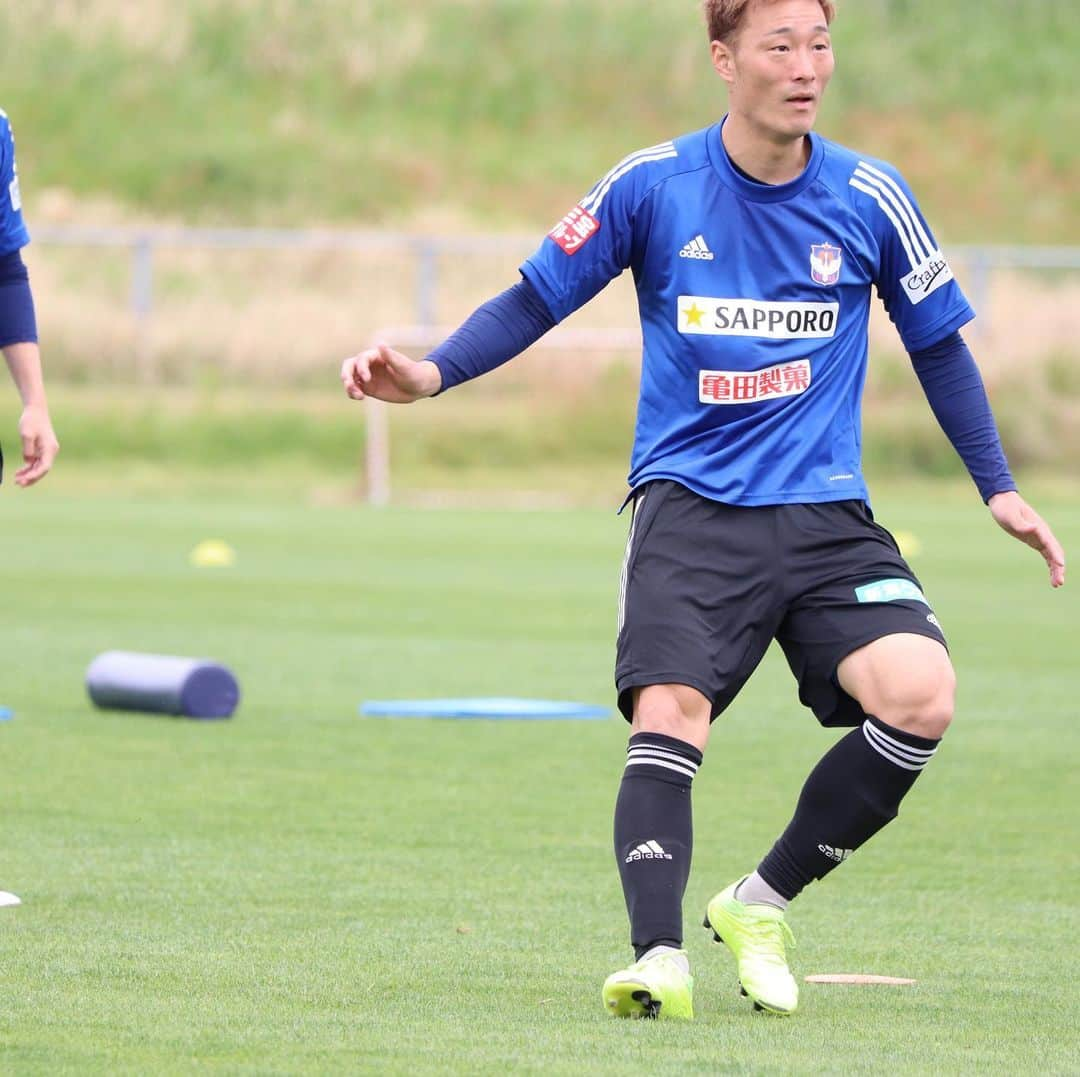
(897, 590)
(575, 230)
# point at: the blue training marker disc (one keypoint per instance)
(6, 714)
(484, 707)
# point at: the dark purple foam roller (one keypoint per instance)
(162, 684)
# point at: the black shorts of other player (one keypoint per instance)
(706, 587)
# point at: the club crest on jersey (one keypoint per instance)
(825, 263)
(575, 230)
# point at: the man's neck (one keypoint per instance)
(767, 162)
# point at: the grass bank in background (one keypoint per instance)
(507, 112)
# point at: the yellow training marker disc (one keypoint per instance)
(909, 544)
(212, 553)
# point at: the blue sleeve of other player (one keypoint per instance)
(958, 399)
(13, 234)
(914, 280)
(495, 332)
(594, 242)
(17, 322)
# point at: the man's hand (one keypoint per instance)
(1015, 515)
(388, 375)
(39, 445)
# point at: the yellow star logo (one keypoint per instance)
(693, 315)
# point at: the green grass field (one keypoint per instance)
(300, 890)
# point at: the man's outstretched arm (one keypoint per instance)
(957, 396)
(494, 333)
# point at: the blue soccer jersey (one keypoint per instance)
(13, 233)
(754, 303)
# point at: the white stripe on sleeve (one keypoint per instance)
(905, 239)
(593, 202)
(625, 161)
(890, 184)
(902, 214)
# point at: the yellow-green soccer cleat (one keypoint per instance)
(756, 935)
(653, 987)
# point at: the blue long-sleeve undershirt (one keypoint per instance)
(495, 332)
(517, 318)
(17, 322)
(957, 397)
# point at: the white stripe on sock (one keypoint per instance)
(660, 763)
(901, 746)
(662, 753)
(883, 750)
(645, 756)
(896, 748)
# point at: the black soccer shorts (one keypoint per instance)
(706, 587)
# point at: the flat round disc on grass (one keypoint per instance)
(483, 707)
(856, 978)
(8, 899)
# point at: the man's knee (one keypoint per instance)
(924, 706)
(675, 710)
(906, 681)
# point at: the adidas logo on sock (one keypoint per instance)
(839, 855)
(649, 850)
(697, 248)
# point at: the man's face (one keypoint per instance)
(777, 66)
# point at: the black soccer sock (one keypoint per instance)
(850, 795)
(654, 836)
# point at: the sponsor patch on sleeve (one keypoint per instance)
(926, 278)
(13, 194)
(575, 230)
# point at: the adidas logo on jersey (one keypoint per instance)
(697, 248)
(649, 850)
(839, 855)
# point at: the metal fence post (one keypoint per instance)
(142, 304)
(377, 452)
(427, 281)
(980, 291)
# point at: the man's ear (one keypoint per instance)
(723, 61)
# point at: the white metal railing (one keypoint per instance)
(427, 251)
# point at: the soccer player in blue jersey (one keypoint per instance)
(18, 327)
(18, 336)
(754, 246)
